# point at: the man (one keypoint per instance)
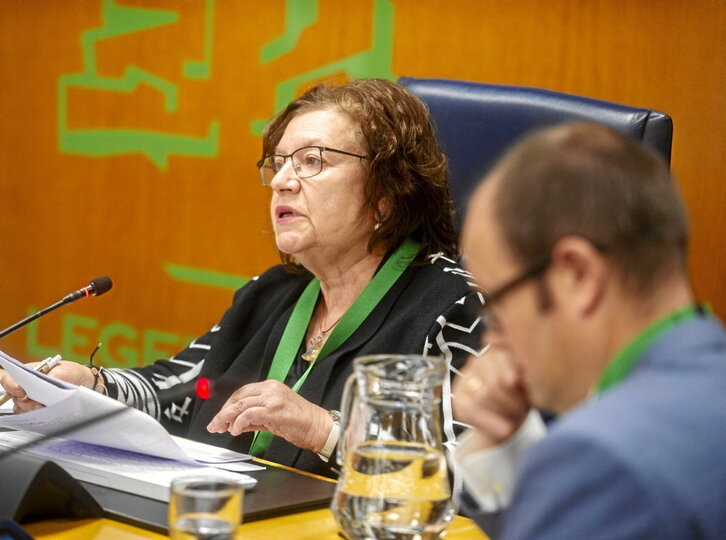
(580, 239)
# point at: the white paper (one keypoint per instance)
(215, 455)
(144, 475)
(126, 428)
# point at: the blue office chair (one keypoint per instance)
(476, 122)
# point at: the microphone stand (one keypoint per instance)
(31, 318)
(97, 287)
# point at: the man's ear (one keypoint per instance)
(580, 275)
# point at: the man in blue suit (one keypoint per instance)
(580, 240)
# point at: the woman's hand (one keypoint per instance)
(490, 395)
(70, 372)
(272, 406)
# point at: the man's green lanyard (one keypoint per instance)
(622, 364)
(300, 319)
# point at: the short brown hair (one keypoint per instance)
(590, 181)
(407, 167)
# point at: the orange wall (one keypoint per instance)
(120, 155)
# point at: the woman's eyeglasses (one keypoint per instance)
(306, 162)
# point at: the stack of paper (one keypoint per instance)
(117, 446)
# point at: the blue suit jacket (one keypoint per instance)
(647, 459)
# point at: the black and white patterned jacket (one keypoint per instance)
(431, 309)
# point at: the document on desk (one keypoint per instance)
(121, 433)
(142, 474)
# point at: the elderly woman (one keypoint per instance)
(362, 215)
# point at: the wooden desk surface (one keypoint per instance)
(312, 525)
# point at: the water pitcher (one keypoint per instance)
(394, 480)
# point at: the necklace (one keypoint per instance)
(315, 343)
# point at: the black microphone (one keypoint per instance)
(97, 287)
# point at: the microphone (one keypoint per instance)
(96, 287)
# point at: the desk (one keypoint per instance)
(299, 521)
(311, 525)
(304, 513)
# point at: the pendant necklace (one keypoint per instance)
(315, 343)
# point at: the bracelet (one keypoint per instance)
(98, 380)
(333, 437)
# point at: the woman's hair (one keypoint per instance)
(407, 169)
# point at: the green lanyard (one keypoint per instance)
(622, 364)
(300, 319)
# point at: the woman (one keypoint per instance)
(362, 215)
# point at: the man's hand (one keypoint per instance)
(490, 395)
(272, 406)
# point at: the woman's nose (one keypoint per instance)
(285, 178)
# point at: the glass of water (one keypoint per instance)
(205, 508)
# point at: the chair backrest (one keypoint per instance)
(476, 122)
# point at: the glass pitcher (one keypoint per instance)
(394, 481)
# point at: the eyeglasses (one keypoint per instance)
(306, 162)
(535, 270)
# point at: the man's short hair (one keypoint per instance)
(591, 181)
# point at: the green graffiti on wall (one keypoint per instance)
(373, 62)
(157, 146)
(299, 14)
(123, 345)
(200, 276)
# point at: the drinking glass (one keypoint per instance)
(205, 508)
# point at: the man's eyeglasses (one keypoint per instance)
(306, 162)
(534, 270)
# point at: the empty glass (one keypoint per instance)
(204, 508)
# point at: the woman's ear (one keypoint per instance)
(383, 209)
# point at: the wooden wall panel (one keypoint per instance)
(177, 231)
